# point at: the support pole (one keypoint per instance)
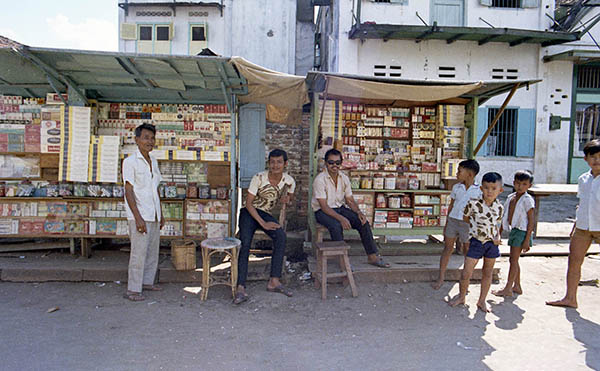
(233, 192)
(500, 111)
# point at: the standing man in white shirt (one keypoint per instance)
(141, 177)
(587, 224)
(336, 209)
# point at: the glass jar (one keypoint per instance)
(394, 202)
(366, 182)
(378, 181)
(381, 202)
(390, 181)
(192, 190)
(355, 182)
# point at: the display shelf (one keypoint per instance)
(418, 191)
(414, 231)
(391, 209)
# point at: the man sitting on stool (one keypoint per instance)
(331, 193)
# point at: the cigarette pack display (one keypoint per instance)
(54, 226)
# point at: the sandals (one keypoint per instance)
(380, 263)
(281, 289)
(240, 297)
(134, 296)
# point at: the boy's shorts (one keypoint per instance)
(457, 228)
(589, 236)
(477, 250)
(517, 236)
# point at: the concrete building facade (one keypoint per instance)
(524, 138)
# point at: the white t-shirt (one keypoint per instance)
(461, 195)
(136, 172)
(588, 213)
(519, 219)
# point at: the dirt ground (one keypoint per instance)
(388, 327)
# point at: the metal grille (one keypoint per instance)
(588, 77)
(506, 3)
(586, 126)
(153, 14)
(503, 137)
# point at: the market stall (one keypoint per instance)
(67, 120)
(401, 142)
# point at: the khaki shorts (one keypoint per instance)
(457, 228)
(589, 236)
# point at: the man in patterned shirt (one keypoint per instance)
(265, 190)
(484, 216)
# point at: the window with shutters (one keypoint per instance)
(154, 38)
(513, 134)
(198, 38)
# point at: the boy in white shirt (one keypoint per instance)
(456, 228)
(587, 224)
(519, 219)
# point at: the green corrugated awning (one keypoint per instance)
(451, 34)
(119, 77)
(577, 56)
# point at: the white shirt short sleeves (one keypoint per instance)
(519, 219)
(461, 195)
(136, 172)
(325, 188)
(588, 212)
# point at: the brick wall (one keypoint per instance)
(295, 141)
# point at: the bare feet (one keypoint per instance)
(456, 301)
(503, 292)
(563, 303)
(517, 290)
(484, 307)
(437, 284)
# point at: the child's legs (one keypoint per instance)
(445, 257)
(514, 270)
(486, 278)
(466, 274)
(580, 243)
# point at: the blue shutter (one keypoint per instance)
(482, 125)
(448, 12)
(525, 132)
(530, 3)
(252, 124)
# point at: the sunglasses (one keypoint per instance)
(331, 162)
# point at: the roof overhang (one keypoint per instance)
(171, 4)
(483, 90)
(451, 34)
(577, 56)
(119, 77)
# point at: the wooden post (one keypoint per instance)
(496, 118)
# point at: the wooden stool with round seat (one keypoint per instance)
(230, 247)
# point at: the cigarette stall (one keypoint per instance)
(401, 142)
(66, 123)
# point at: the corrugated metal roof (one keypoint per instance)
(119, 77)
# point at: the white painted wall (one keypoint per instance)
(389, 13)
(181, 22)
(254, 29)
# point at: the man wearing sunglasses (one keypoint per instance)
(336, 209)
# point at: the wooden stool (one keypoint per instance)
(333, 249)
(230, 247)
(321, 230)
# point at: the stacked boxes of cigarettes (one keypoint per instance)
(451, 131)
(388, 150)
(20, 120)
(183, 131)
(206, 219)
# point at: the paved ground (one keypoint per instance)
(388, 327)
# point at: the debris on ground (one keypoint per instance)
(53, 309)
(594, 282)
